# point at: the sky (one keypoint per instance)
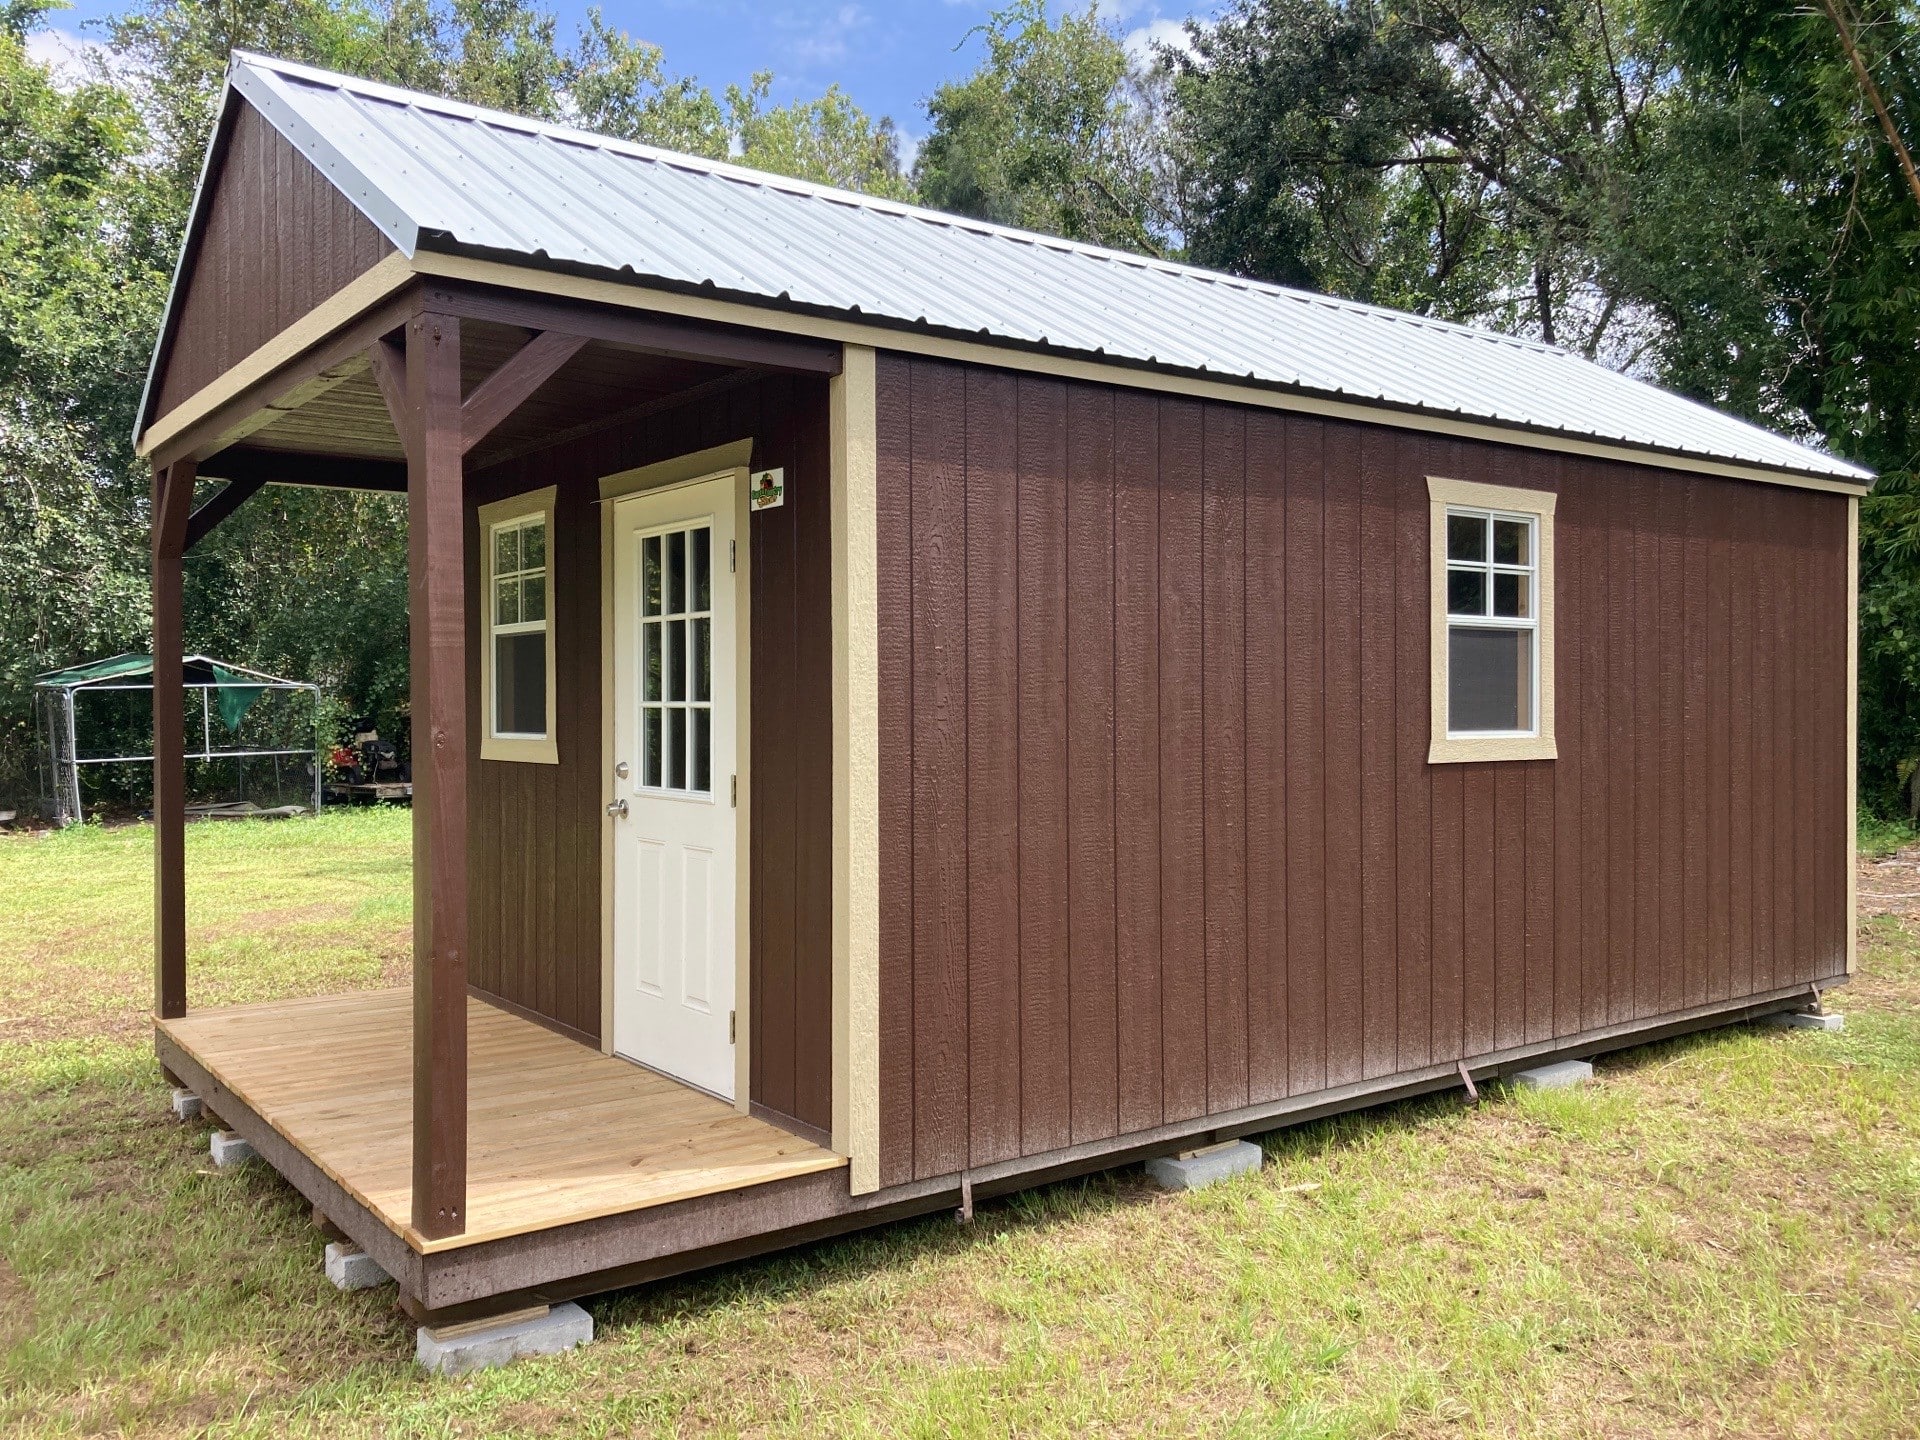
(889, 57)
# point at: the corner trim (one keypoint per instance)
(853, 425)
(1853, 733)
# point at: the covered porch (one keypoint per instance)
(557, 1133)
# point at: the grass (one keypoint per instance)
(1721, 1237)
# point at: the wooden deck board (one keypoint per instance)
(558, 1133)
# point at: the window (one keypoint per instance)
(676, 660)
(517, 661)
(1492, 557)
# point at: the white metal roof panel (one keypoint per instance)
(434, 174)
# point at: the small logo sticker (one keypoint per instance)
(766, 489)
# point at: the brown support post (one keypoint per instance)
(437, 576)
(172, 495)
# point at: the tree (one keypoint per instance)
(1056, 131)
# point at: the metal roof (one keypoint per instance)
(439, 175)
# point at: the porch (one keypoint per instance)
(557, 1133)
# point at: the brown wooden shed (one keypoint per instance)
(906, 709)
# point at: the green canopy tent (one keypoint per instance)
(226, 689)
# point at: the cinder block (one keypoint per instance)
(1205, 1167)
(461, 1349)
(1801, 1020)
(1560, 1075)
(186, 1104)
(229, 1149)
(351, 1268)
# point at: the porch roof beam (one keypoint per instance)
(517, 380)
(293, 467)
(652, 334)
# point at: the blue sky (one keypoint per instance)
(888, 57)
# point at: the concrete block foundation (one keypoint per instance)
(186, 1104)
(462, 1349)
(1200, 1168)
(1561, 1075)
(351, 1268)
(229, 1149)
(1801, 1020)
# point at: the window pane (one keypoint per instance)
(1513, 595)
(1466, 592)
(533, 598)
(1489, 679)
(1466, 537)
(650, 575)
(506, 602)
(703, 751)
(1510, 545)
(702, 570)
(650, 753)
(677, 660)
(676, 749)
(520, 684)
(702, 660)
(650, 659)
(677, 573)
(506, 554)
(533, 546)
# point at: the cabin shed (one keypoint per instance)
(906, 709)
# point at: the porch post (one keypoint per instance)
(172, 497)
(437, 586)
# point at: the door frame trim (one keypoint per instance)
(729, 464)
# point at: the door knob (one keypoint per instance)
(617, 808)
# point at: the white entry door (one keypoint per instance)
(676, 678)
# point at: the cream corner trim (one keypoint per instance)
(1853, 731)
(700, 465)
(856, 769)
(1441, 748)
(492, 747)
(636, 296)
(361, 293)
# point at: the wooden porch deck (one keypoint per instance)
(557, 1133)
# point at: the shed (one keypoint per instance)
(905, 709)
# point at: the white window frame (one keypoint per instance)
(1448, 496)
(495, 745)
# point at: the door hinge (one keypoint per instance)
(735, 792)
(732, 556)
(730, 1039)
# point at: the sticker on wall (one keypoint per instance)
(766, 489)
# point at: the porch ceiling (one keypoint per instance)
(342, 413)
(557, 1133)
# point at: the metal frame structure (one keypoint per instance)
(59, 747)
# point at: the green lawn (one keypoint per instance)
(1722, 1236)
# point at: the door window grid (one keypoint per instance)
(676, 660)
(1492, 584)
(519, 609)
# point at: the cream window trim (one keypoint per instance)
(1442, 494)
(543, 750)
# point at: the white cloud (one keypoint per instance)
(828, 40)
(1159, 31)
(64, 52)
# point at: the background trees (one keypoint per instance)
(1713, 194)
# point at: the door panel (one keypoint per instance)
(676, 678)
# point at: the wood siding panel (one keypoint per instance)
(1212, 723)
(278, 240)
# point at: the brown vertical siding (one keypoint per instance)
(535, 848)
(1159, 834)
(279, 239)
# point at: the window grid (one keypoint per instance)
(1496, 606)
(518, 579)
(676, 660)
